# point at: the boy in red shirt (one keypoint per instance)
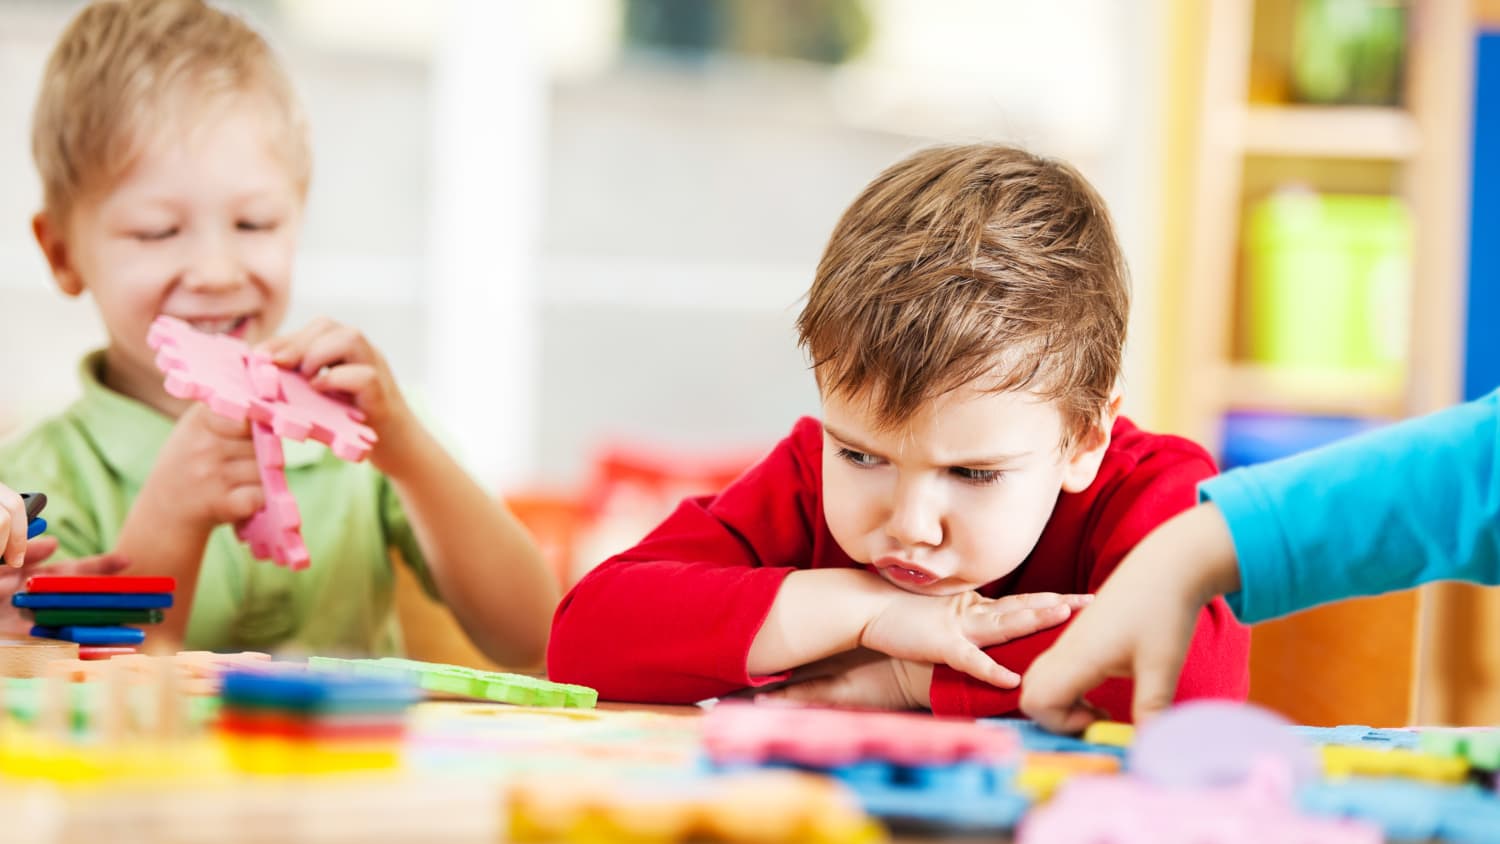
(924, 542)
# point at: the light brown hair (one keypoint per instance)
(964, 262)
(124, 69)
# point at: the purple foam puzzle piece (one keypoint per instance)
(1217, 743)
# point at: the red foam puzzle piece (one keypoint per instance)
(110, 584)
(237, 383)
(832, 737)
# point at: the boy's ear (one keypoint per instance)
(50, 238)
(1088, 454)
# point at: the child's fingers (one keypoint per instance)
(352, 378)
(39, 549)
(103, 564)
(241, 471)
(242, 502)
(1156, 672)
(339, 344)
(974, 662)
(223, 426)
(288, 349)
(993, 628)
(12, 527)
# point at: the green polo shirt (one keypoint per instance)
(92, 460)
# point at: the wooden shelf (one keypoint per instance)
(1333, 393)
(1329, 132)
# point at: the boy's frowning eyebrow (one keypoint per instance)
(988, 461)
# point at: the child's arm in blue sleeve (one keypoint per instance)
(1404, 505)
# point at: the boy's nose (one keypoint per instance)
(915, 519)
(213, 267)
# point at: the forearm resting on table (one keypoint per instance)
(817, 614)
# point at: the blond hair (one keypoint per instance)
(121, 68)
(977, 264)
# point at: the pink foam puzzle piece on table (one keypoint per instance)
(1217, 743)
(1128, 810)
(274, 532)
(739, 732)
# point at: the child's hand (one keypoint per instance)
(1140, 626)
(338, 359)
(12, 527)
(12, 621)
(882, 683)
(206, 474)
(952, 630)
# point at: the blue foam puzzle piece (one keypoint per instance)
(1354, 735)
(101, 635)
(1038, 740)
(963, 796)
(36, 527)
(315, 690)
(1410, 810)
(92, 600)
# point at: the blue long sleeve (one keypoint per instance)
(1388, 510)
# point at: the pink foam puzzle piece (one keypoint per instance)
(739, 732)
(274, 532)
(1129, 810)
(218, 371)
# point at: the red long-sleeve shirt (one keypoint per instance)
(672, 619)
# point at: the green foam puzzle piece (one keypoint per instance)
(458, 681)
(1480, 747)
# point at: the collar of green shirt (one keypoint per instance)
(129, 433)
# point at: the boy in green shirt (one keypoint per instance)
(175, 162)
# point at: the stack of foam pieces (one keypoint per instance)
(287, 719)
(101, 614)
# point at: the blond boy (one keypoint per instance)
(969, 481)
(175, 162)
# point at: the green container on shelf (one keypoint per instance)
(1328, 280)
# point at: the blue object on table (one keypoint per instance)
(963, 796)
(1409, 810)
(1354, 735)
(92, 600)
(308, 690)
(1251, 437)
(101, 635)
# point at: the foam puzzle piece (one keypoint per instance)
(455, 681)
(275, 531)
(250, 722)
(109, 635)
(1128, 810)
(65, 618)
(1342, 762)
(311, 690)
(1112, 733)
(1206, 743)
(763, 808)
(36, 527)
(1480, 747)
(1359, 735)
(91, 600)
(99, 583)
(214, 369)
(101, 652)
(1042, 774)
(1409, 810)
(1036, 739)
(745, 732)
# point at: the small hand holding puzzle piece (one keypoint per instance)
(223, 373)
